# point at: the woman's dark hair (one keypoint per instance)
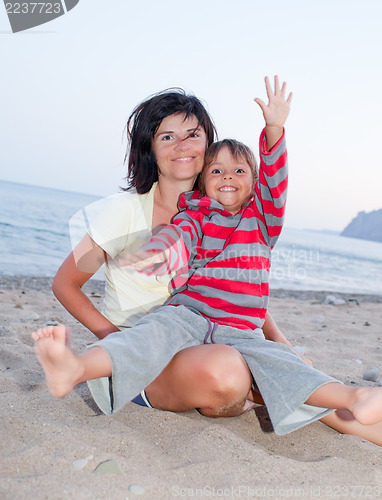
(142, 125)
(238, 151)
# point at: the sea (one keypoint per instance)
(35, 239)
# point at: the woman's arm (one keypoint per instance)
(76, 270)
(271, 332)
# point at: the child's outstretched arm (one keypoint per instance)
(275, 112)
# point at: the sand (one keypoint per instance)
(50, 448)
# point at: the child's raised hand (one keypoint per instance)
(277, 110)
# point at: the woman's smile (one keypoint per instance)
(179, 146)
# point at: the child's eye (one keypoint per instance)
(216, 171)
(239, 171)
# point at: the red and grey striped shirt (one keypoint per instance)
(223, 260)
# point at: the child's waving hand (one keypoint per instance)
(276, 112)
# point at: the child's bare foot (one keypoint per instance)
(49, 331)
(62, 367)
(367, 408)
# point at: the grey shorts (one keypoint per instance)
(139, 354)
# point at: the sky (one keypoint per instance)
(68, 87)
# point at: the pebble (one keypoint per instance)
(33, 316)
(354, 301)
(109, 467)
(51, 323)
(81, 462)
(19, 306)
(136, 489)
(371, 374)
(358, 361)
(333, 300)
(300, 349)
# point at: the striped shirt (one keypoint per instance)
(223, 260)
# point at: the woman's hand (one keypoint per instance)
(275, 112)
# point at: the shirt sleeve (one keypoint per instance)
(271, 189)
(114, 222)
(178, 242)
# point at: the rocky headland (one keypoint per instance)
(366, 226)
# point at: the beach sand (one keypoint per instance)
(50, 448)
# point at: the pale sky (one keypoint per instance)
(68, 87)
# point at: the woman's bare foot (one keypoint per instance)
(63, 368)
(367, 408)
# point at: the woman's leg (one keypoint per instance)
(63, 368)
(213, 378)
(343, 421)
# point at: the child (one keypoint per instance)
(223, 241)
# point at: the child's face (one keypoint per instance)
(229, 181)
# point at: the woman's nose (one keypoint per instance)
(181, 144)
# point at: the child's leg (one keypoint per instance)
(214, 378)
(63, 368)
(365, 403)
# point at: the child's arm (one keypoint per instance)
(276, 112)
(271, 187)
(170, 250)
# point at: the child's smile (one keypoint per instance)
(229, 181)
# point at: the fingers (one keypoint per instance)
(277, 86)
(268, 88)
(289, 100)
(260, 103)
(277, 91)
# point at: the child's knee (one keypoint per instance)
(228, 373)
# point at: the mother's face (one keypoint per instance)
(179, 147)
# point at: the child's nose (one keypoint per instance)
(227, 176)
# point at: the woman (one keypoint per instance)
(168, 136)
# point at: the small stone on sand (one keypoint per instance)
(33, 316)
(109, 467)
(371, 374)
(136, 489)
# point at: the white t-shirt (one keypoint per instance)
(118, 224)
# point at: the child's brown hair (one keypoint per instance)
(237, 149)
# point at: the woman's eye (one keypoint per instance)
(166, 138)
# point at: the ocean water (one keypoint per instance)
(34, 240)
(34, 230)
